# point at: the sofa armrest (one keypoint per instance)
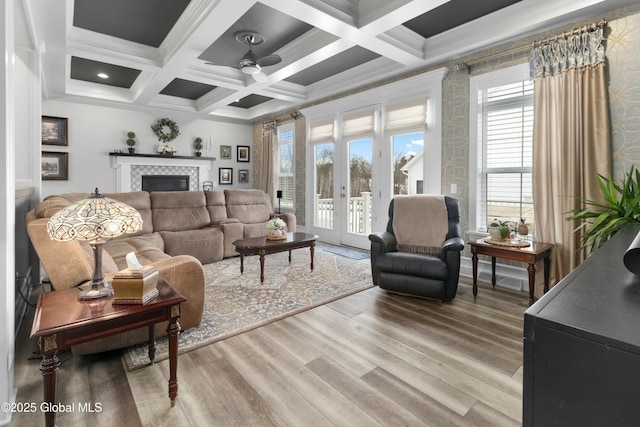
(186, 275)
(383, 241)
(453, 244)
(290, 220)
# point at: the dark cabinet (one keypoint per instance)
(582, 345)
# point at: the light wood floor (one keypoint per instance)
(369, 359)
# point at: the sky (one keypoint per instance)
(403, 144)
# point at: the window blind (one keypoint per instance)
(507, 133)
(357, 124)
(406, 116)
(321, 131)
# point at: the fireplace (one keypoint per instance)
(165, 182)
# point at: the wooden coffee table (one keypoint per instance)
(531, 254)
(61, 321)
(262, 246)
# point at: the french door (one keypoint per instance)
(344, 199)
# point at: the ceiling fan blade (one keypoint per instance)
(260, 77)
(269, 60)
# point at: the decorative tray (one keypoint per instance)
(280, 237)
(513, 243)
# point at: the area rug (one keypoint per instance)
(236, 303)
(352, 253)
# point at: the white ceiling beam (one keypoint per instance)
(379, 17)
(200, 24)
(112, 50)
(326, 22)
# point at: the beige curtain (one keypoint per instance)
(269, 146)
(571, 137)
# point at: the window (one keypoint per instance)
(284, 165)
(404, 124)
(502, 147)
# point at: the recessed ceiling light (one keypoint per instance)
(103, 75)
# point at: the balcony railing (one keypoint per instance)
(359, 213)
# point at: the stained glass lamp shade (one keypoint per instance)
(95, 220)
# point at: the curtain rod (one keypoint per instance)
(589, 27)
(515, 50)
(290, 116)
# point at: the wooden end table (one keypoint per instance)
(263, 246)
(531, 254)
(62, 321)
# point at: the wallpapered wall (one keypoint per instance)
(623, 36)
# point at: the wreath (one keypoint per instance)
(158, 129)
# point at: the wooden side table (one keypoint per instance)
(531, 254)
(62, 321)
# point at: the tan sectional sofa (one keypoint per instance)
(181, 231)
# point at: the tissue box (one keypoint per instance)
(135, 286)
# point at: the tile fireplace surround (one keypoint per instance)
(130, 169)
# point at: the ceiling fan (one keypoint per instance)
(250, 63)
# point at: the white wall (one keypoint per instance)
(7, 207)
(94, 131)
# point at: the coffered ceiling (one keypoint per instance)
(182, 55)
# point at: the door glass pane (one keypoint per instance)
(408, 163)
(324, 186)
(359, 191)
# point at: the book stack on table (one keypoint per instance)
(135, 286)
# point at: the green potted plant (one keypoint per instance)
(601, 220)
(131, 142)
(498, 230)
(197, 144)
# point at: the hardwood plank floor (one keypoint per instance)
(369, 359)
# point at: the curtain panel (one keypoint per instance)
(571, 137)
(269, 146)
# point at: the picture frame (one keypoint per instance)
(225, 176)
(243, 176)
(243, 153)
(55, 166)
(225, 152)
(54, 131)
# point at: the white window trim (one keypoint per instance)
(476, 83)
(288, 127)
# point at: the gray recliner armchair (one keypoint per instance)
(434, 274)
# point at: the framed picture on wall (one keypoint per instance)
(243, 153)
(225, 152)
(225, 176)
(243, 176)
(55, 166)
(54, 131)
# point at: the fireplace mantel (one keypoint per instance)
(128, 165)
(160, 156)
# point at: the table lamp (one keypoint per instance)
(95, 220)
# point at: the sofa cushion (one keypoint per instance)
(413, 264)
(207, 244)
(179, 210)
(140, 201)
(216, 204)
(248, 206)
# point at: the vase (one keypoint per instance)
(523, 229)
(198, 154)
(132, 150)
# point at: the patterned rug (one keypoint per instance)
(235, 303)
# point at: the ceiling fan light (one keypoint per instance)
(250, 68)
